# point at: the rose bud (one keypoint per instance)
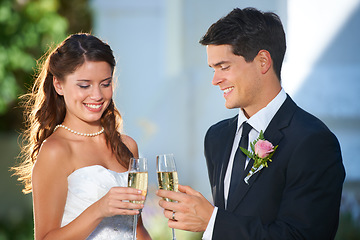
(263, 148)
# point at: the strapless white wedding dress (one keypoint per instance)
(86, 186)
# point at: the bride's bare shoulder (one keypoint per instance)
(55, 155)
(130, 143)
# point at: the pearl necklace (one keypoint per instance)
(79, 133)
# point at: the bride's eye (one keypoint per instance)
(106, 84)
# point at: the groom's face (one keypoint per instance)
(239, 80)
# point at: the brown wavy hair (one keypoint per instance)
(44, 108)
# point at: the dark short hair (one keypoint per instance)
(248, 31)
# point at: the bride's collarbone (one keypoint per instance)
(97, 157)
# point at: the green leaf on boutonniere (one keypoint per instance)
(247, 152)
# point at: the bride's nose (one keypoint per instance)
(96, 94)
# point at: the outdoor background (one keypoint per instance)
(164, 89)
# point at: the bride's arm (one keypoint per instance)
(49, 180)
(49, 183)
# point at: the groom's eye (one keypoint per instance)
(225, 67)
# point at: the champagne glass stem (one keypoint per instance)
(135, 225)
(167, 176)
(138, 178)
(173, 234)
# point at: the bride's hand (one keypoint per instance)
(116, 202)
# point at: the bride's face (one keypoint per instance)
(87, 92)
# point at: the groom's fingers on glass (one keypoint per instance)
(190, 191)
(182, 188)
(187, 190)
(168, 194)
(162, 203)
(167, 205)
(161, 193)
(172, 215)
(171, 206)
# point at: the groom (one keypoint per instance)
(298, 195)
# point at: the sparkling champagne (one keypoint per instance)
(138, 180)
(168, 181)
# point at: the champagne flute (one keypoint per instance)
(167, 176)
(138, 178)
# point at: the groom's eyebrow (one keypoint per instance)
(218, 64)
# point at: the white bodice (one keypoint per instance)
(87, 185)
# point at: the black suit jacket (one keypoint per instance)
(296, 197)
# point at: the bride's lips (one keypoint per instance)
(227, 91)
(94, 107)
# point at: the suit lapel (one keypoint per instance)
(281, 120)
(230, 130)
(274, 135)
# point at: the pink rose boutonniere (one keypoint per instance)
(262, 151)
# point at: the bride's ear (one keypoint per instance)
(57, 86)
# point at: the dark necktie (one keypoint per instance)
(239, 160)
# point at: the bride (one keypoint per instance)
(75, 160)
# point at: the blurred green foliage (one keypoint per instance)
(349, 228)
(19, 229)
(27, 29)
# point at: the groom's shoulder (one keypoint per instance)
(225, 122)
(219, 126)
(301, 119)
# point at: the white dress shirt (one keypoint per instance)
(259, 121)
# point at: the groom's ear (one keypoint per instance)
(58, 86)
(264, 61)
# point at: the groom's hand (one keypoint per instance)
(192, 210)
